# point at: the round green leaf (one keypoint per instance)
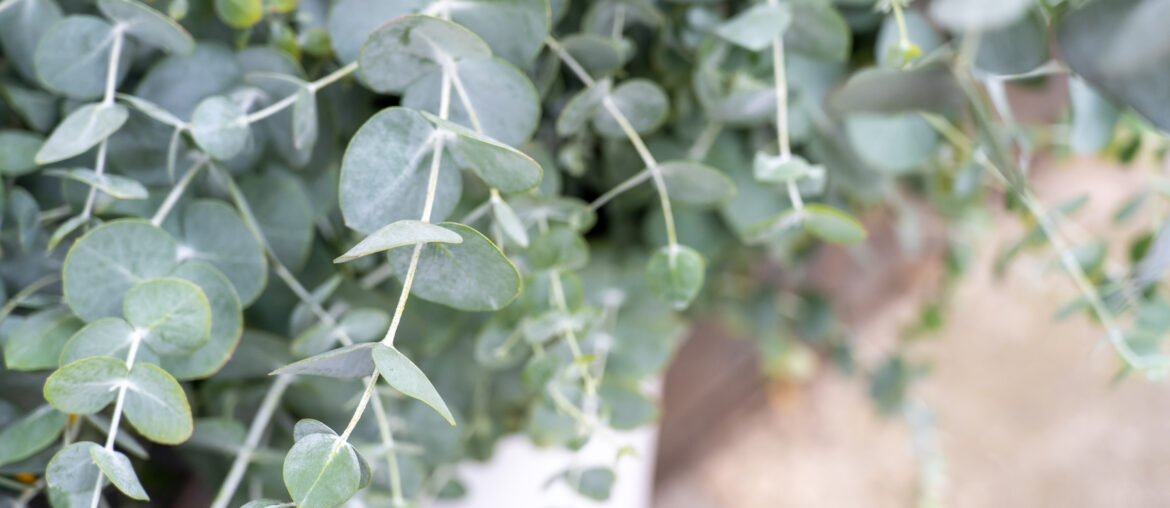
(560, 248)
(696, 184)
(500, 99)
(756, 27)
(156, 405)
(893, 143)
(321, 472)
(352, 21)
(398, 234)
(116, 466)
(582, 107)
(17, 151)
(85, 386)
(487, 280)
(117, 186)
(178, 82)
(73, 57)
(211, 231)
(284, 213)
(819, 30)
(219, 128)
(72, 469)
(175, 314)
(22, 24)
(227, 324)
(833, 225)
(83, 129)
(515, 29)
(404, 50)
(239, 13)
(675, 275)
(148, 25)
(37, 341)
(406, 377)
(104, 263)
(386, 168)
(110, 337)
(642, 102)
(32, 433)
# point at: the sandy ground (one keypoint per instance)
(1025, 411)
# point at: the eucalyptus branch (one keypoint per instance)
(136, 338)
(780, 75)
(177, 191)
(387, 438)
(314, 86)
(108, 100)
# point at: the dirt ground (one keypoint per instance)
(1026, 415)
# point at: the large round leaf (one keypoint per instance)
(211, 231)
(174, 313)
(107, 261)
(352, 21)
(284, 213)
(227, 323)
(110, 337)
(515, 29)
(321, 472)
(73, 57)
(500, 98)
(894, 143)
(22, 24)
(473, 275)
(178, 82)
(156, 405)
(386, 168)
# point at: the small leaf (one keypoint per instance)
(930, 87)
(508, 221)
(72, 469)
(83, 129)
(398, 234)
(110, 337)
(148, 25)
(321, 471)
(85, 386)
(755, 28)
(581, 107)
(117, 468)
(405, 49)
(675, 275)
(219, 128)
(781, 169)
(117, 186)
(156, 405)
(559, 248)
(595, 483)
(31, 434)
(111, 258)
(308, 426)
(832, 225)
(152, 110)
(345, 362)
(239, 13)
(499, 165)
(18, 151)
(487, 279)
(65, 228)
(695, 183)
(174, 313)
(37, 341)
(641, 101)
(406, 377)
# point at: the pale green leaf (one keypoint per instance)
(352, 21)
(599, 55)
(239, 13)
(473, 275)
(211, 231)
(117, 186)
(757, 27)
(832, 225)
(152, 110)
(404, 50)
(514, 29)
(781, 169)
(308, 426)
(22, 24)
(894, 143)
(304, 126)
(407, 378)
(111, 258)
(285, 215)
(558, 248)
(83, 129)
(37, 341)
(499, 165)
(818, 30)
(111, 337)
(178, 82)
(509, 222)
(500, 99)
(675, 275)
(72, 469)
(117, 468)
(38, 109)
(641, 101)
(173, 313)
(695, 183)
(85, 386)
(890, 53)
(73, 57)
(582, 107)
(148, 25)
(320, 471)
(156, 405)
(1014, 49)
(1094, 117)
(398, 234)
(30, 434)
(227, 324)
(218, 126)
(18, 151)
(344, 362)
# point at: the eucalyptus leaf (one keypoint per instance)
(156, 405)
(308, 426)
(227, 324)
(581, 107)
(239, 13)
(148, 25)
(398, 234)
(73, 57)
(18, 151)
(977, 15)
(641, 101)
(499, 165)
(894, 143)
(37, 341)
(515, 29)
(500, 101)
(284, 213)
(174, 314)
(152, 110)
(86, 386)
(755, 28)
(675, 275)
(117, 468)
(1094, 117)
(344, 362)
(832, 225)
(218, 126)
(559, 248)
(110, 337)
(83, 129)
(406, 49)
(509, 222)
(30, 434)
(599, 55)
(321, 471)
(818, 29)
(73, 470)
(211, 231)
(22, 25)
(111, 258)
(695, 183)
(117, 186)
(352, 21)
(305, 119)
(473, 275)
(406, 377)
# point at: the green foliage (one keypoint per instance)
(383, 203)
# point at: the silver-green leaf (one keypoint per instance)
(83, 129)
(407, 378)
(398, 234)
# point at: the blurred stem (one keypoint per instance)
(252, 441)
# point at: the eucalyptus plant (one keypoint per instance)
(336, 248)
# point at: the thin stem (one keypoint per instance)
(99, 169)
(780, 75)
(333, 77)
(135, 340)
(558, 294)
(176, 192)
(704, 141)
(568, 59)
(903, 33)
(357, 413)
(391, 453)
(252, 441)
(112, 67)
(28, 291)
(280, 105)
(620, 189)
